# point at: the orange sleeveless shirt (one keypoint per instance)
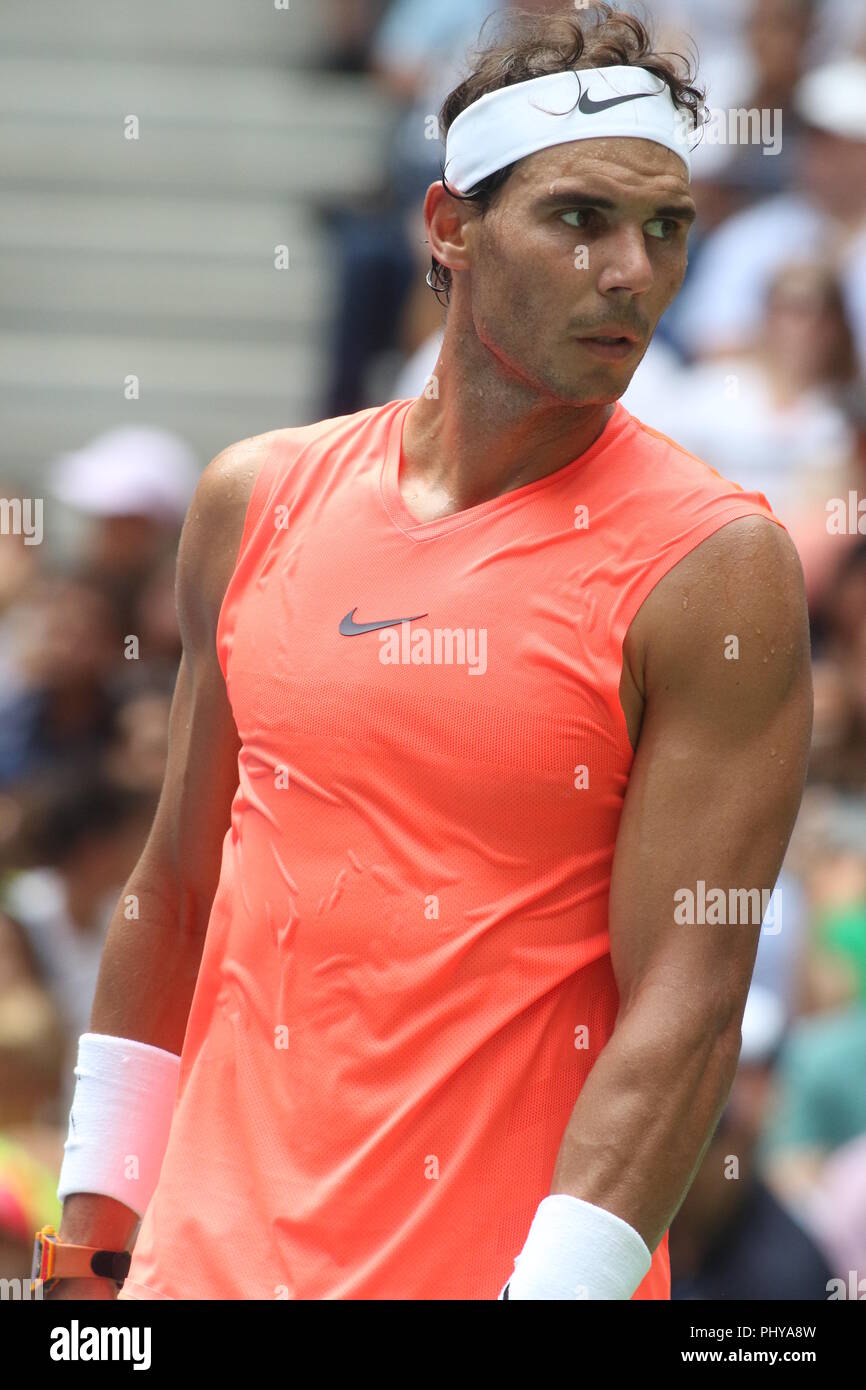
(409, 943)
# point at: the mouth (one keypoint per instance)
(610, 347)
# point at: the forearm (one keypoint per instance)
(646, 1114)
(89, 1218)
(151, 960)
(147, 977)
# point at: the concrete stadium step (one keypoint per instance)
(233, 129)
(240, 30)
(37, 427)
(193, 295)
(155, 256)
(57, 391)
(93, 89)
(204, 369)
(132, 223)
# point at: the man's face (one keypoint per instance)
(584, 240)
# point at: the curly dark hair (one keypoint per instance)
(534, 45)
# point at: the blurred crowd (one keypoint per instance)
(89, 649)
(759, 368)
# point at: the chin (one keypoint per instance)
(599, 384)
(586, 393)
(606, 388)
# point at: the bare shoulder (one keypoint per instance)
(739, 595)
(751, 563)
(213, 528)
(225, 487)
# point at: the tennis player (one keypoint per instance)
(477, 690)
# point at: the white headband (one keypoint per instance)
(579, 104)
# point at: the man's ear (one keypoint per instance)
(447, 220)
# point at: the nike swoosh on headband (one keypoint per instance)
(349, 628)
(589, 107)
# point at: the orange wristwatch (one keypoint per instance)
(55, 1259)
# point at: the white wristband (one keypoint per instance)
(577, 1250)
(120, 1118)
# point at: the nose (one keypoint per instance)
(627, 265)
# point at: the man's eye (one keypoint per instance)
(667, 225)
(576, 212)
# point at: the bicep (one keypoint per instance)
(201, 776)
(718, 772)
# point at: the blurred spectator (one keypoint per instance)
(131, 487)
(136, 756)
(822, 1100)
(778, 33)
(19, 569)
(418, 55)
(824, 215)
(836, 1210)
(776, 422)
(834, 966)
(781, 945)
(136, 471)
(32, 1056)
(349, 27)
(840, 29)
(83, 838)
(32, 1040)
(60, 711)
(838, 755)
(854, 403)
(153, 620)
(732, 1239)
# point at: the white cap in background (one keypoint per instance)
(137, 470)
(833, 98)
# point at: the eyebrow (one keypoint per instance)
(683, 211)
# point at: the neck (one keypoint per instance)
(487, 431)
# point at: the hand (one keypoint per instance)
(83, 1289)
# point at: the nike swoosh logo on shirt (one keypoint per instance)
(590, 107)
(349, 628)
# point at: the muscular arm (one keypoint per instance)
(713, 794)
(150, 963)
